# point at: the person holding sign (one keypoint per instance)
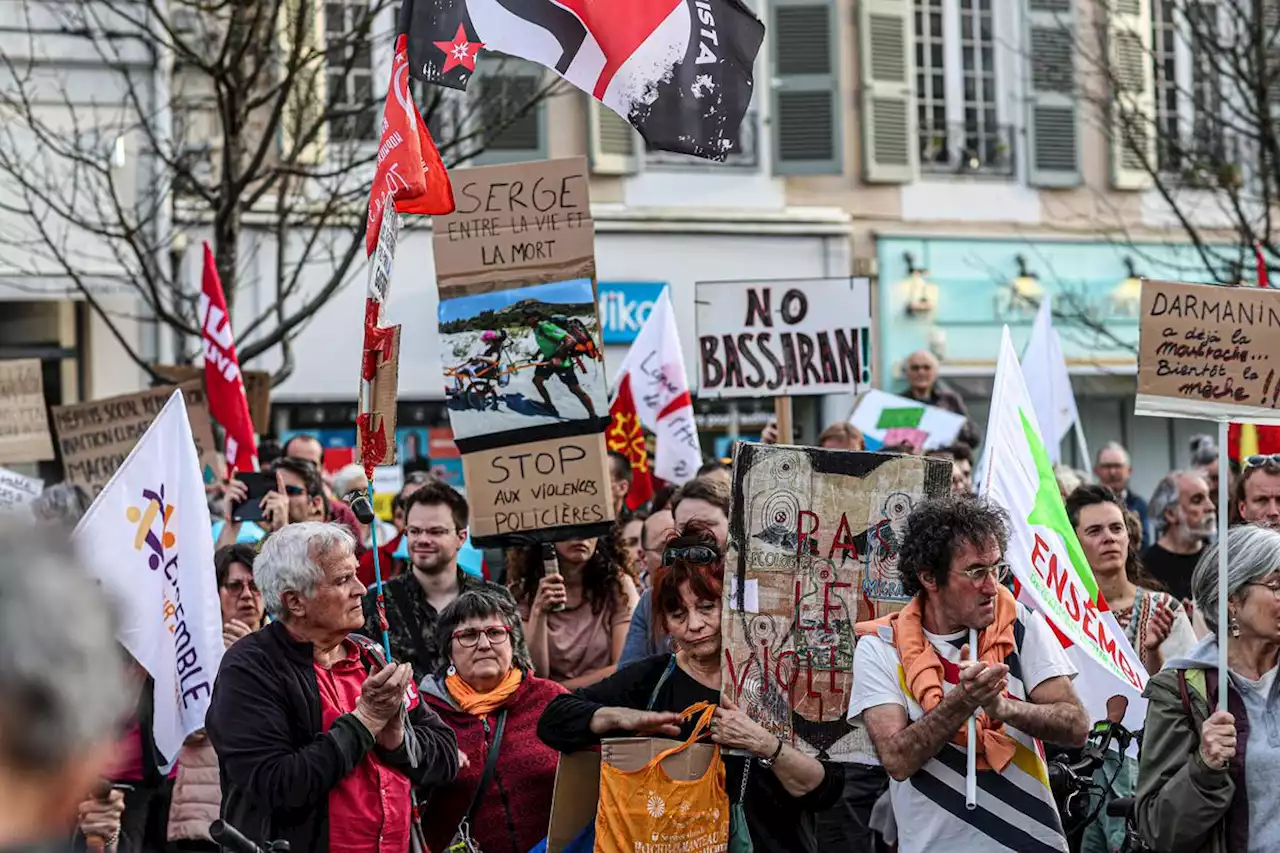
(1206, 778)
(916, 684)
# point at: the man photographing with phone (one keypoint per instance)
(290, 491)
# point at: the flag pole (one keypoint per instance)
(377, 576)
(782, 413)
(1223, 470)
(971, 756)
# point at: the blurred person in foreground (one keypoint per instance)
(487, 680)
(1207, 778)
(783, 785)
(319, 740)
(61, 504)
(63, 695)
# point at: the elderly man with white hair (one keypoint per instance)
(921, 372)
(319, 740)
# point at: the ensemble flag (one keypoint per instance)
(680, 71)
(1053, 575)
(654, 372)
(222, 380)
(153, 519)
(409, 168)
(626, 436)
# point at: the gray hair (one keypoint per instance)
(1164, 498)
(290, 561)
(346, 478)
(61, 503)
(62, 680)
(1116, 446)
(481, 603)
(1070, 479)
(1253, 553)
(1204, 450)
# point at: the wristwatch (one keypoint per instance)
(768, 762)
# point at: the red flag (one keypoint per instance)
(626, 437)
(222, 381)
(409, 166)
(1262, 264)
(1245, 440)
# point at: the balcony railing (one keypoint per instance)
(957, 149)
(746, 155)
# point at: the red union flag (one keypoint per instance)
(626, 436)
(222, 380)
(409, 166)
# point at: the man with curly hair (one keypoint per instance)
(916, 685)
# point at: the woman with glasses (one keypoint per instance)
(1207, 778)
(197, 793)
(577, 614)
(487, 685)
(780, 787)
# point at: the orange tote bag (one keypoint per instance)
(647, 811)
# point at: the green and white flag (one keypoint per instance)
(1052, 573)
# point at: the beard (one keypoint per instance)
(431, 564)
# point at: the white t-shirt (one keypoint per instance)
(1015, 808)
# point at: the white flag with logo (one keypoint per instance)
(661, 389)
(153, 520)
(1050, 566)
(1049, 384)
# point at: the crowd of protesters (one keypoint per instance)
(501, 661)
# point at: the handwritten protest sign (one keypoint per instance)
(257, 389)
(95, 437)
(24, 424)
(790, 337)
(1209, 352)
(514, 226)
(523, 362)
(813, 548)
(17, 491)
(886, 419)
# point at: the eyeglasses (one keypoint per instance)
(697, 555)
(295, 491)
(1000, 571)
(469, 638)
(1273, 585)
(237, 587)
(1262, 461)
(429, 532)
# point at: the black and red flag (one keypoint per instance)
(679, 70)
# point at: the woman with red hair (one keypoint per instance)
(782, 787)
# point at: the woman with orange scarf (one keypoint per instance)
(487, 688)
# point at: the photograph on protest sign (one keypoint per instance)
(1209, 352)
(524, 357)
(24, 422)
(814, 537)
(787, 337)
(886, 420)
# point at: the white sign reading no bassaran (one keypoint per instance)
(789, 336)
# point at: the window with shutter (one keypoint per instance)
(806, 96)
(300, 37)
(612, 142)
(509, 113)
(1133, 102)
(1191, 133)
(1053, 114)
(889, 118)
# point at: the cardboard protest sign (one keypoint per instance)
(380, 356)
(813, 549)
(257, 389)
(95, 437)
(514, 226)
(886, 419)
(523, 363)
(1207, 351)
(24, 423)
(786, 337)
(17, 491)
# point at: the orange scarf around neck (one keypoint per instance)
(924, 674)
(483, 704)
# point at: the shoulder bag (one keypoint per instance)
(462, 841)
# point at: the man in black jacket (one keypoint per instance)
(319, 742)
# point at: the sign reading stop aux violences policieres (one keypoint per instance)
(784, 337)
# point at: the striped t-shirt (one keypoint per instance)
(1015, 809)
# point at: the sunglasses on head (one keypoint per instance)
(1262, 460)
(696, 555)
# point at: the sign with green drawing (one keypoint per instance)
(887, 420)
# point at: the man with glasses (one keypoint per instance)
(436, 518)
(923, 385)
(1113, 469)
(915, 687)
(1257, 492)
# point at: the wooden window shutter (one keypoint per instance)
(806, 94)
(890, 153)
(1053, 109)
(1133, 102)
(614, 145)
